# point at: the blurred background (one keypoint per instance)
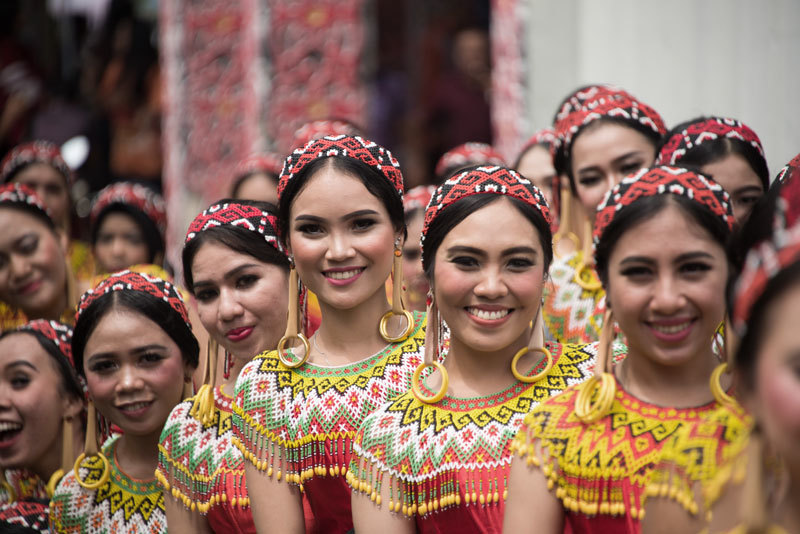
(174, 94)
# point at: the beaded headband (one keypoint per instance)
(318, 129)
(659, 181)
(418, 197)
(240, 215)
(609, 105)
(22, 194)
(702, 131)
(137, 196)
(57, 333)
(466, 155)
(769, 257)
(266, 162)
(545, 137)
(791, 169)
(35, 152)
(356, 148)
(133, 281)
(493, 180)
(579, 98)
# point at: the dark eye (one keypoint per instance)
(695, 267)
(589, 180)
(363, 224)
(412, 254)
(309, 229)
(28, 245)
(103, 366)
(630, 167)
(20, 381)
(638, 271)
(245, 281)
(465, 261)
(205, 295)
(134, 239)
(105, 239)
(748, 200)
(150, 358)
(520, 263)
(53, 189)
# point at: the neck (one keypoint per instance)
(238, 365)
(679, 386)
(138, 455)
(789, 509)
(351, 335)
(50, 462)
(477, 373)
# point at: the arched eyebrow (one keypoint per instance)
(21, 363)
(463, 249)
(352, 215)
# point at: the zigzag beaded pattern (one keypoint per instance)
(15, 193)
(35, 152)
(571, 313)
(494, 180)
(301, 421)
(437, 456)
(239, 215)
(59, 334)
(703, 131)
(120, 505)
(198, 464)
(661, 180)
(347, 146)
(602, 468)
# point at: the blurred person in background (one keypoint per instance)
(256, 178)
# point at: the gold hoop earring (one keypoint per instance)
(720, 395)
(536, 344)
(431, 356)
(292, 325)
(602, 386)
(90, 449)
(397, 301)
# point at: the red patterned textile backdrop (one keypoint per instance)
(316, 48)
(509, 113)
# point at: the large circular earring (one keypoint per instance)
(90, 449)
(431, 358)
(536, 344)
(292, 325)
(602, 386)
(720, 395)
(397, 300)
(589, 282)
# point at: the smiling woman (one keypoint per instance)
(587, 454)
(134, 345)
(341, 219)
(437, 458)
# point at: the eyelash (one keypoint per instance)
(103, 367)
(20, 381)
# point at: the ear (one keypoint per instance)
(73, 406)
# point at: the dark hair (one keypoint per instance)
(33, 211)
(713, 150)
(375, 182)
(564, 165)
(69, 379)
(757, 227)
(645, 208)
(155, 309)
(235, 238)
(240, 180)
(747, 353)
(453, 214)
(150, 233)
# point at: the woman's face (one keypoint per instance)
(602, 155)
(488, 283)
(241, 301)
(537, 166)
(134, 371)
(33, 405)
(666, 287)
(120, 243)
(258, 186)
(413, 276)
(51, 187)
(341, 238)
(33, 275)
(736, 176)
(775, 401)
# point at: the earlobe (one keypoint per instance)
(73, 406)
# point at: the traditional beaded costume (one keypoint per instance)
(200, 466)
(122, 504)
(299, 424)
(447, 464)
(23, 501)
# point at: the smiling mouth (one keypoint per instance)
(488, 315)
(9, 430)
(29, 288)
(344, 275)
(134, 406)
(671, 329)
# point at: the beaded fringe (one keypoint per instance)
(195, 490)
(439, 492)
(581, 489)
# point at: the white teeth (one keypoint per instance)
(135, 406)
(5, 426)
(488, 315)
(343, 275)
(673, 329)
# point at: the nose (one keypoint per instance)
(118, 247)
(667, 297)
(491, 285)
(229, 305)
(339, 247)
(20, 266)
(129, 379)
